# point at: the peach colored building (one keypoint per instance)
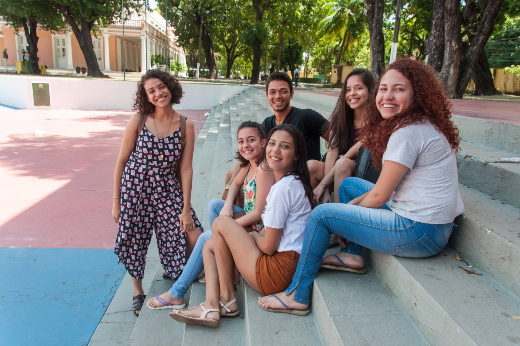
(61, 50)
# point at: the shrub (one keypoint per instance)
(310, 80)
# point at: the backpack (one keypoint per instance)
(140, 127)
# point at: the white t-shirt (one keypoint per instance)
(288, 207)
(429, 191)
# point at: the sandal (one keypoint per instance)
(138, 302)
(166, 276)
(225, 312)
(201, 321)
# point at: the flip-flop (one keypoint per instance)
(165, 305)
(288, 310)
(344, 268)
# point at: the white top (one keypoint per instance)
(288, 207)
(429, 191)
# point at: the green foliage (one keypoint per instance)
(504, 48)
(41, 11)
(515, 69)
(257, 30)
(157, 59)
(178, 66)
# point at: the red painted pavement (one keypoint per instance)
(56, 192)
(505, 112)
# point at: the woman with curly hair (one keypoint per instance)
(148, 190)
(410, 211)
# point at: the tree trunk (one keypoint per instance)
(32, 39)
(84, 39)
(207, 43)
(229, 63)
(484, 84)
(452, 50)
(260, 6)
(485, 28)
(279, 55)
(375, 10)
(435, 42)
(266, 55)
(338, 60)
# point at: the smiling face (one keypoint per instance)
(281, 153)
(395, 94)
(158, 93)
(279, 95)
(356, 94)
(250, 146)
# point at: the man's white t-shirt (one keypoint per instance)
(429, 191)
(288, 208)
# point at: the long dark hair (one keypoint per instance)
(261, 132)
(300, 170)
(342, 118)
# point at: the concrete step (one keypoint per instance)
(235, 120)
(488, 235)
(244, 110)
(352, 309)
(202, 170)
(478, 169)
(118, 322)
(230, 331)
(257, 109)
(201, 137)
(267, 328)
(155, 327)
(448, 305)
(221, 163)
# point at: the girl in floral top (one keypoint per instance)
(257, 183)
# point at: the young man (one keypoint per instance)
(279, 92)
(296, 76)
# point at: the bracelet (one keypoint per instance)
(227, 186)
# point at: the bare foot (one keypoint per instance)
(273, 303)
(154, 303)
(196, 311)
(351, 261)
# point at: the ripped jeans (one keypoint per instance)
(380, 230)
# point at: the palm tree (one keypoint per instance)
(343, 16)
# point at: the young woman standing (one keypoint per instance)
(148, 193)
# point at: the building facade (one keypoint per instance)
(144, 36)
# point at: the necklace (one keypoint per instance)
(167, 131)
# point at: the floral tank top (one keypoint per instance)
(250, 199)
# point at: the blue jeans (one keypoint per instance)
(195, 264)
(380, 230)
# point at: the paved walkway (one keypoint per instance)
(58, 269)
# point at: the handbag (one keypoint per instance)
(365, 169)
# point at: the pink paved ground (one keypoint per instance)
(56, 192)
(505, 112)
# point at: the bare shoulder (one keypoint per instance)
(263, 172)
(133, 121)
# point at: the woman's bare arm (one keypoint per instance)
(186, 221)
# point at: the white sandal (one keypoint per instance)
(201, 321)
(225, 311)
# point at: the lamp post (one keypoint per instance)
(395, 38)
(146, 37)
(167, 43)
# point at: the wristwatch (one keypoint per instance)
(227, 186)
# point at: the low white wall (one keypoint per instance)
(71, 93)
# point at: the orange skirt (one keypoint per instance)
(274, 273)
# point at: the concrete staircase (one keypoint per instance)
(433, 301)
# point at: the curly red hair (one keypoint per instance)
(429, 102)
